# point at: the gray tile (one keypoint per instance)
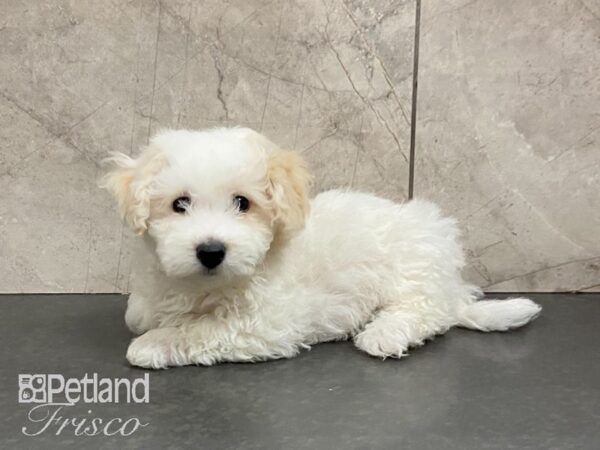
(531, 388)
(507, 137)
(83, 78)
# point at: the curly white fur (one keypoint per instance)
(296, 271)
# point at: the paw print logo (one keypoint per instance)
(32, 388)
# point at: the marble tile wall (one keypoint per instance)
(80, 78)
(508, 137)
(508, 117)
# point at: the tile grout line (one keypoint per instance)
(413, 111)
(155, 66)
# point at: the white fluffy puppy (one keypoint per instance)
(244, 267)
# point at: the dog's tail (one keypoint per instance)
(498, 315)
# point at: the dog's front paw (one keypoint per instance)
(158, 349)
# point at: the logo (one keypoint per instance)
(32, 388)
(55, 399)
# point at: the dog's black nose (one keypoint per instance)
(211, 253)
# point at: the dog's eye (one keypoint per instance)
(180, 204)
(241, 203)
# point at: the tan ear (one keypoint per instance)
(288, 190)
(130, 182)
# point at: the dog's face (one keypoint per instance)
(213, 201)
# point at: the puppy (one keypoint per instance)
(240, 265)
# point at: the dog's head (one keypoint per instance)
(215, 202)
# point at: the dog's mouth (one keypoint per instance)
(211, 272)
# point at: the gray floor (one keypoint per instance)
(536, 388)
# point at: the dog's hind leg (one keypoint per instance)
(393, 330)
